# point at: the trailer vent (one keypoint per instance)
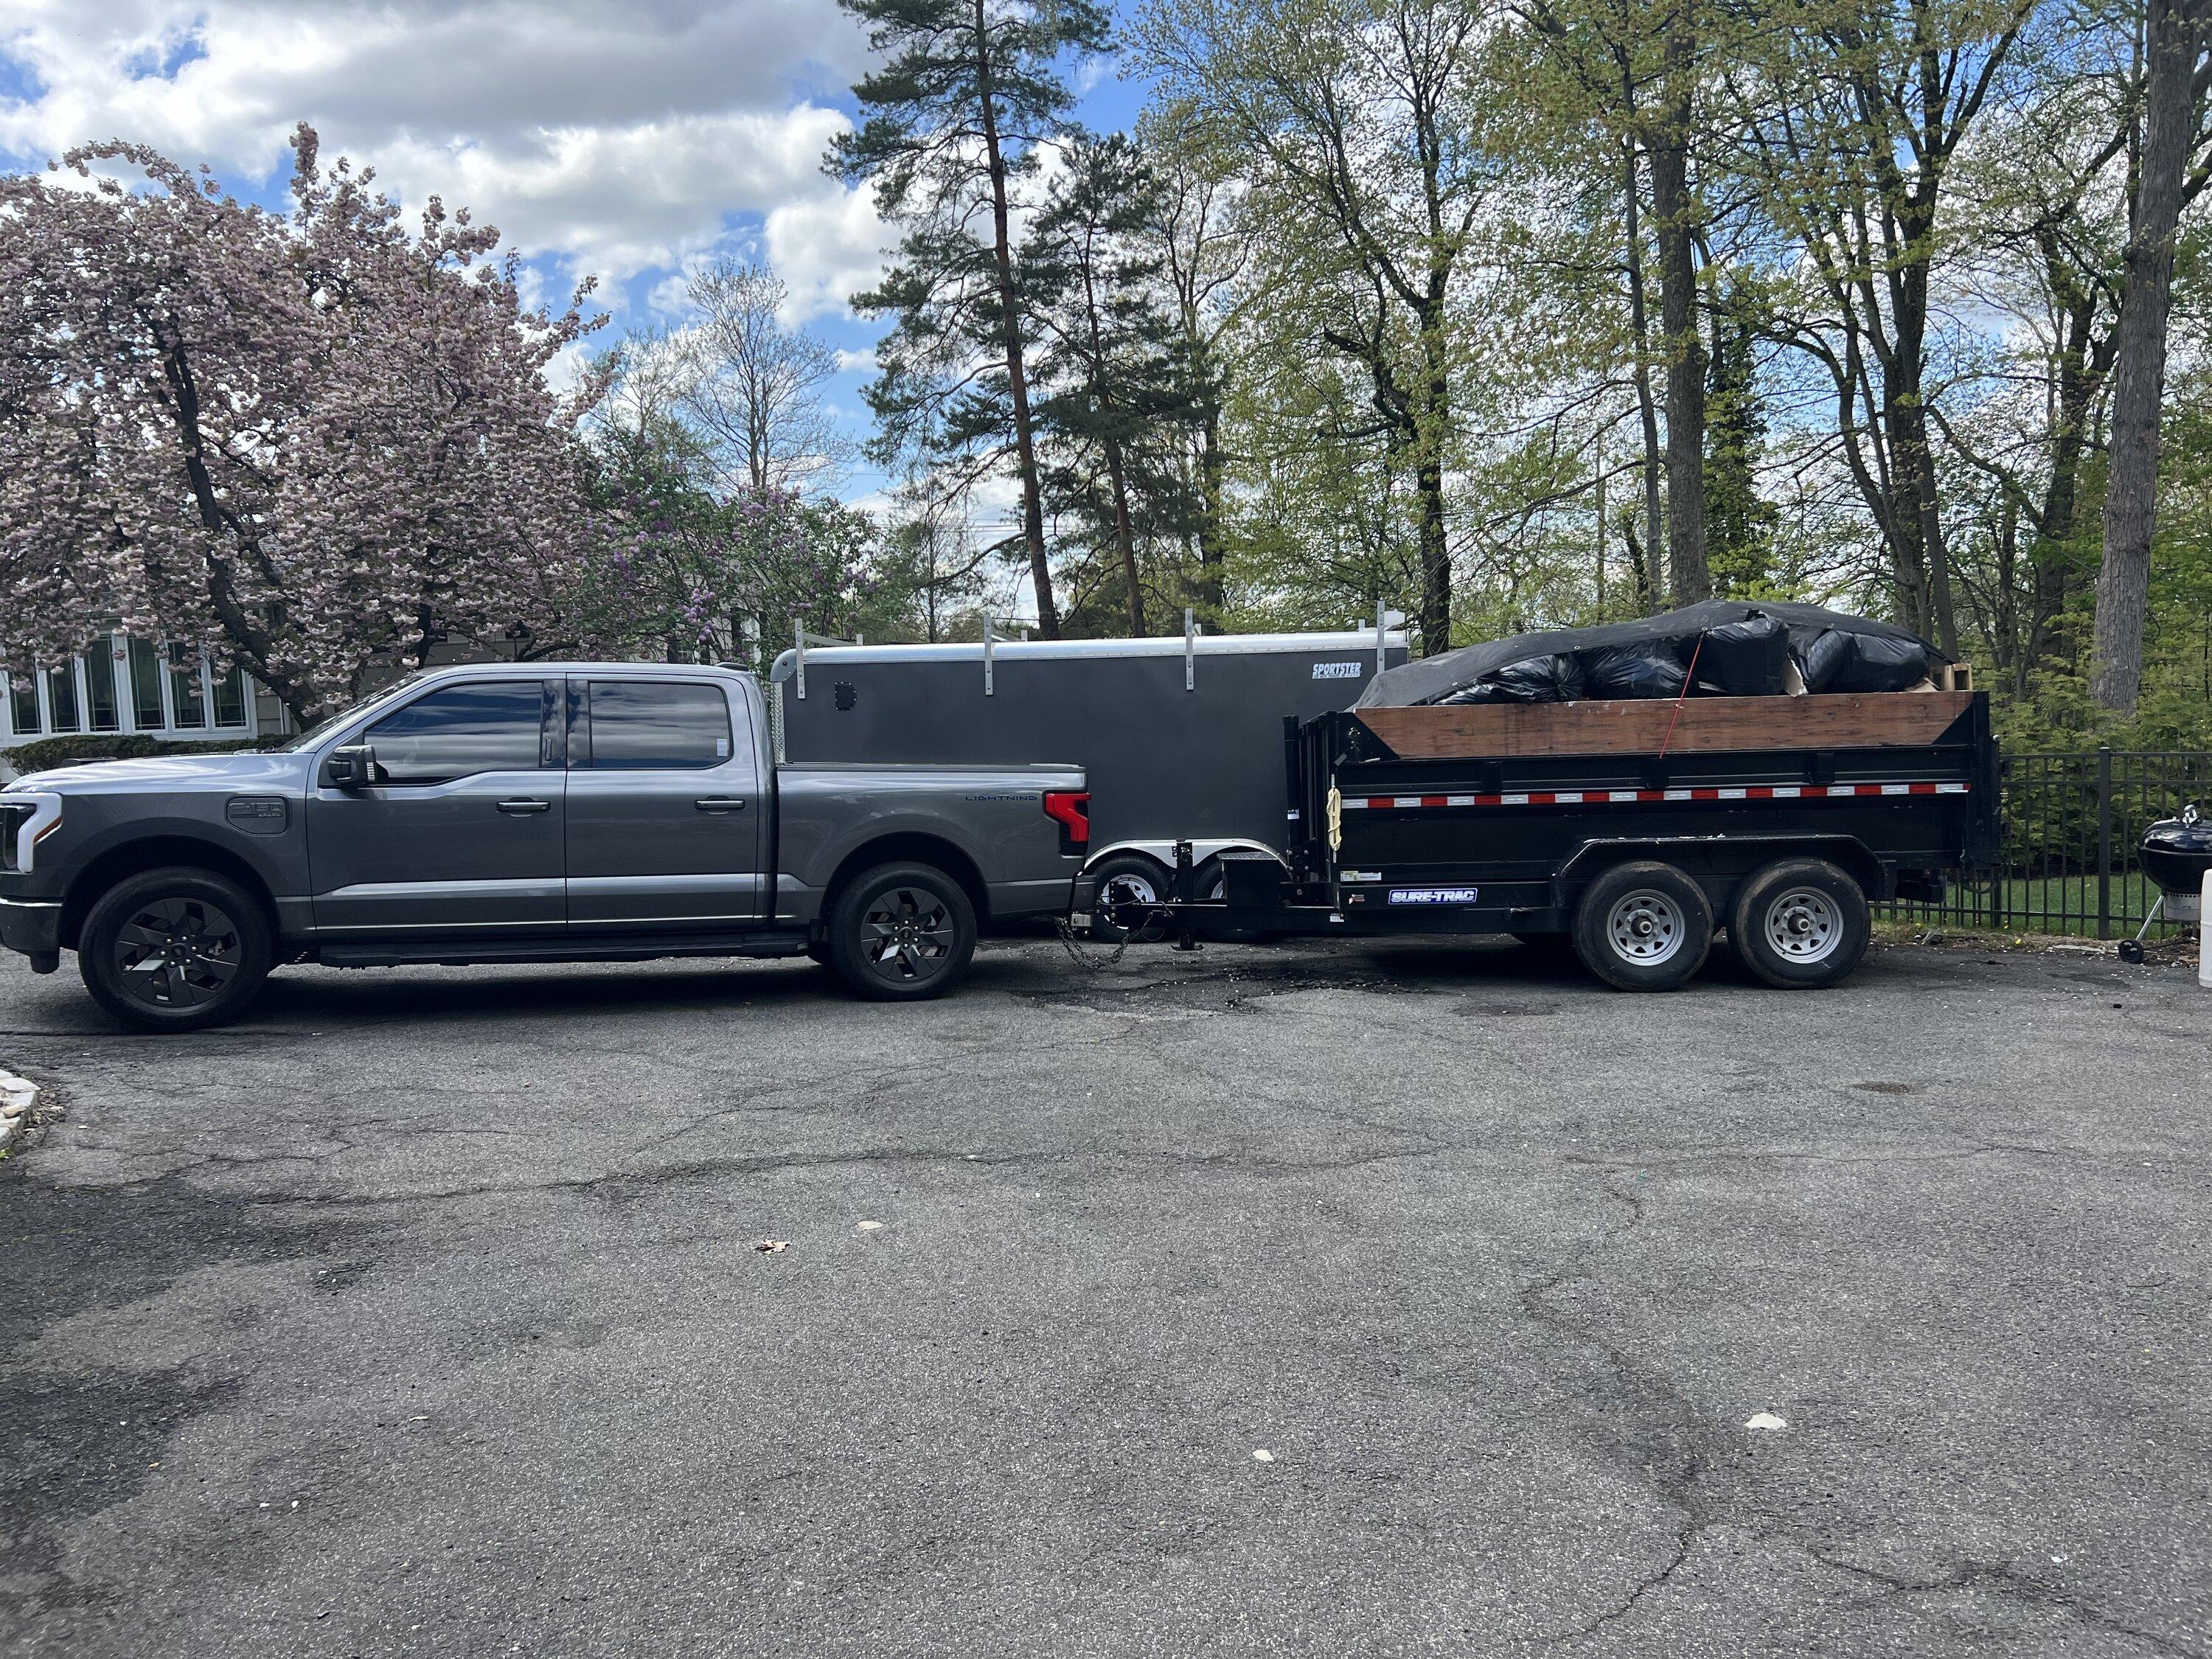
(846, 696)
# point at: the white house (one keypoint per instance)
(121, 684)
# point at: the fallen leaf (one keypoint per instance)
(772, 1246)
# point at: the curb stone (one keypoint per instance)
(17, 1097)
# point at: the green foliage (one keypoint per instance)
(36, 756)
(1740, 524)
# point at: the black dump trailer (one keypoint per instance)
(1181, 736)
(1636, 829)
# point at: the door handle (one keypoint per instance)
(520, 807)
(720, 804)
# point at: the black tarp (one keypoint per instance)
(1742, 649)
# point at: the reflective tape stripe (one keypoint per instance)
(1622, 797)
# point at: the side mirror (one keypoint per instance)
(351, 765)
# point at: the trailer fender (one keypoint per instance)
(1162, 853)
(1203, 854)
(1720, 863)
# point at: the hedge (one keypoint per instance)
(115, 745)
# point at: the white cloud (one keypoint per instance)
(827, 247)
(618, 138)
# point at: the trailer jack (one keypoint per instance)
(1186, 892)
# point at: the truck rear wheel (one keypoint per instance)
(1800, 924)
(1643, 926)
(902, 932)
(175, 949)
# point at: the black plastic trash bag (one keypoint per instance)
(1636, 671)
(1883, 665)
(1893, 658)
(1535, 680)
(1746, 659)
(1823, 655)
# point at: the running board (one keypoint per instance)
(634, 947)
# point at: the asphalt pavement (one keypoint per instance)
(1416, 1299)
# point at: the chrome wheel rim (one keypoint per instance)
(178, 952)
(1645, 927)
(1804, 924)
(1130, 889)
(907, 934)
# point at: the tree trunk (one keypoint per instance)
(1674, 216)
(2176, 38)
(1212, 586)
(1428, 474)
(1011, 323)
(1125, 541)
(1646, 407)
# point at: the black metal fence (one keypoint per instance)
(2071, 826)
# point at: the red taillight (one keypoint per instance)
(1071, 810)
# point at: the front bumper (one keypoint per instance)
(33, 926)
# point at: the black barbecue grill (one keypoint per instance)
(2175, 853)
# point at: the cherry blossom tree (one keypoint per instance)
(300, 441)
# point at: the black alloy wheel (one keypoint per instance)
(175, 949)
(903, 932)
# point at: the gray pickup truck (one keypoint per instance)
(523, 812)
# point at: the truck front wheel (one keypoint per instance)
(902, 932)
(175, 949)
(1643, 926)
(1800, 924)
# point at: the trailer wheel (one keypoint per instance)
(1800, 924)
(1643, 926)
(1129, 878)
(902, 932)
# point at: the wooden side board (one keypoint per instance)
(1850, 720)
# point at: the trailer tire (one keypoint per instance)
(1138, 880)
(1800, 924)
(1643, 926)
(902, 932)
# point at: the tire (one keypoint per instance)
(1643, 926)
(902, 932)
(1141, 879)
(176, 949)
(1800, 924)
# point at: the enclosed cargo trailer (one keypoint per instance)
(1180, 736)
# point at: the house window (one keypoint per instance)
(187, 701)
(61, 699)
(147, 712)
(99, 687)
(230, 698)
(23, 707)
(123, 684)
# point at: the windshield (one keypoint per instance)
(323, 727)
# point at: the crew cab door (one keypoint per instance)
(462, 832)
(665, 811)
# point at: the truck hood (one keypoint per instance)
(242, 771)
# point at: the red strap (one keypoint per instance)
(1688, 680)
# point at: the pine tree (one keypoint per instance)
(1118, 395)
(1738, 524)
(968, 92)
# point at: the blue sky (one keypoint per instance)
(620, 140)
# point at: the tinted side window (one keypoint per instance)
(636, 725)
(490, 726)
